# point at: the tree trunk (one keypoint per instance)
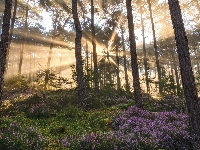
(176, 73)
(24, 42)
(155, 48)
(117, 71)
(11, 33)
(79, 65)
(145, 53)
(47, 72)
(108, 67)
(96, 83)
(134, 64)
(87, 57)
(4, 43)
(188, 81)
(124, 56)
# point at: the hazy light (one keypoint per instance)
(47, 20)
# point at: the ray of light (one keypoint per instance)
(37, 37)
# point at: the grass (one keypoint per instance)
(54, 120)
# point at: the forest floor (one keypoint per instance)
(54, 120)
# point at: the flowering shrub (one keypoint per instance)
(172, 103)
(167, 103)
(17, 136)
(92, 141)
(116, 100)
(137, 129)
(167, 130)
(41, 110)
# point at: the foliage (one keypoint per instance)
(94, 102)
(168, 84)
(54, 120)
(88, 75)
(16, 83)
(48, 78)
(13, 87)
(165, 103)
(16, 135)
(41, 110)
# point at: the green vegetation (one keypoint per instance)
(54, 120)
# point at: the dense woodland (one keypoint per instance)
(100, 74)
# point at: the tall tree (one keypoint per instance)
(155, 47)
(117, 62)
(188, 81)
(79, 64)
(124, 57)
(24, 40)
(11, 32)
(4, 42)
(176, 71)
(96, 83)
(51, 47)
(144, 51)
(134, 64)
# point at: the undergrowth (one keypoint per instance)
(54, 120)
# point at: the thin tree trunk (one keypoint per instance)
(96, 83)
(188, 81)
(176, 73)
(117, 71)
(47, 71)
(155, 48)
(4, 43)
(79, 65)
(134, 64)
(87, 57)
(145, 54)
(125, 66)
(91, 84)
(24, 42)
(108, 66)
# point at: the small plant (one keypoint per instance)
(18, 136)
(16, 83)
(47, 79)
(88, 75)
(41, 110)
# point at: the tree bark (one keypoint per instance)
(134, 64)
(188, 81)
(4, 43)
(79, 64)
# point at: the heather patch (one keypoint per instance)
(168, 130)
(16, 135)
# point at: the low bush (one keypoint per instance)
(20, 136)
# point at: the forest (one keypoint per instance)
(99, 74)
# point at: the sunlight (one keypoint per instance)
(37, 37)
(47, 20)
